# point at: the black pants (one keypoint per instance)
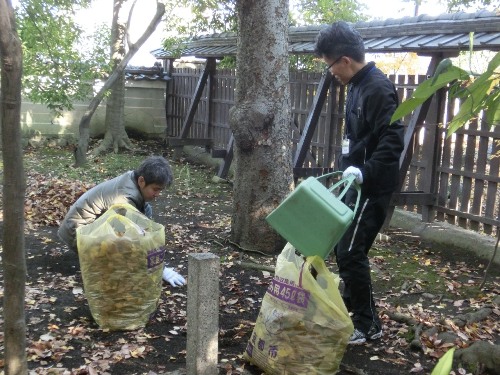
(352, 257)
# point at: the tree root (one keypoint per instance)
(459, 321)
(401, 318)
(416, 344)
(472, 317)
(480, 352)
(416, 327)
(109, 141)
(352, 369)
(244, 249)
(255, 266)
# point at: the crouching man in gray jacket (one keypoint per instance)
(137, 188)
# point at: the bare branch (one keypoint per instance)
(129, 22)
(81, 149)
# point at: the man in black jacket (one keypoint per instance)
(371, 149)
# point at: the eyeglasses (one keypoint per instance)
(333, 63)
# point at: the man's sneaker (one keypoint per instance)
(359, 337)
(374, 333)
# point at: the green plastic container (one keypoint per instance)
(312, 218)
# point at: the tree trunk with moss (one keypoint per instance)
(260, 121)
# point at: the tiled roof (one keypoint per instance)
(141, 73)
(445, 32)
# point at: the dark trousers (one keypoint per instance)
(352, 257)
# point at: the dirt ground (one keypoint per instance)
(64, 339)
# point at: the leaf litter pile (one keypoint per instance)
(429, 299)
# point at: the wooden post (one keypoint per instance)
(312, 120)
(228, 158)
(211, 66)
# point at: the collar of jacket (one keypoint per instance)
(360, 76)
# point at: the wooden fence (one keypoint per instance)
(460, 171)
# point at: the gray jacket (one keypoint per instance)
(96, 201)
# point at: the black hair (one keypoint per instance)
(340, 39)
(155, 170)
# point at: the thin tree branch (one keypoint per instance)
(491, 260)
(81, 150)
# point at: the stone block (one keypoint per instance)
(202, 314)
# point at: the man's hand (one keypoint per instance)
(353, 171)
(172, 277)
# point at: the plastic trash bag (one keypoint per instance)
(303, 326)
(121, 259)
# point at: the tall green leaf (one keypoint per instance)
(426, 90)
(492, 104)
(57, 70)
(470, 108)
(482, 94)
(494, 63)
(443, 367)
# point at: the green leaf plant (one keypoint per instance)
(443, 367)
(60, 65)
(477, 92)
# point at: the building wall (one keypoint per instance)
(144, 113)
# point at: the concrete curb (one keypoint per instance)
(199, 155)
(446, 235)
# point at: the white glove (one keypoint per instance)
(172, 277)
(353, 171)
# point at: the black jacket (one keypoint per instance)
(375, 145)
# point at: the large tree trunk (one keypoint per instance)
(260, 121)
(115, 135)
(14, 186)
(83, 141)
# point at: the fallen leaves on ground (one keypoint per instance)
(48, 198)
(197, 220)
